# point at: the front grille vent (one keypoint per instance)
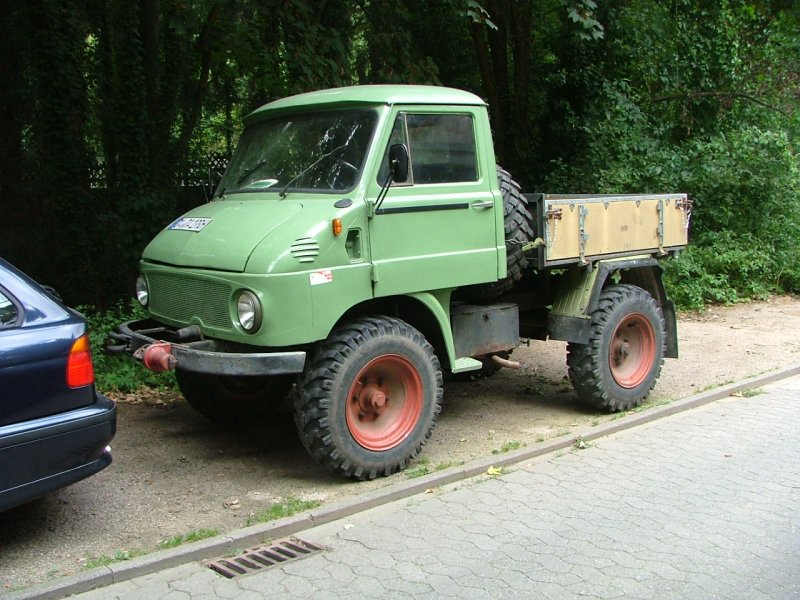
(305, 250)
(182, 298)
(262, 557)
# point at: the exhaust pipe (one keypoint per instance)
(504, 362)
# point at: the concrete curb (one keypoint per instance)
(257, 534)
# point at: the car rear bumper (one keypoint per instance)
(42, 455)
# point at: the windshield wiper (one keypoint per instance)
(249, 171)
(312, 165)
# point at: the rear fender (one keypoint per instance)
(579, 292)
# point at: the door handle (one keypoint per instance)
(480, 205)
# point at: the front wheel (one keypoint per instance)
(619, 366)
(369, 397)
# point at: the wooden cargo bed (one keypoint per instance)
(584, 228)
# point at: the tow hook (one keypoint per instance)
(157, 357)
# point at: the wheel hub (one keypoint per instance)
(632, 353)
(370, 399)
(384, 402)
(621, 351)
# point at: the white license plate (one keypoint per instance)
(189, 224)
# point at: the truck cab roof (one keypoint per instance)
(368, 95)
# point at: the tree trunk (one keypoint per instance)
(490, 87)
(157, 129)
(521, 43)
(205, 47)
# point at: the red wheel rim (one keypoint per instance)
(632, 351)
(384, 403)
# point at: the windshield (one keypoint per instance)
(313, 152)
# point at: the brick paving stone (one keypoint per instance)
(702, 504)
(223, 588)
(251, 595)
(177, 595)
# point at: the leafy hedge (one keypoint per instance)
(744, 180)
(119, 373)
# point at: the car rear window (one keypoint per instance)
(9, 314)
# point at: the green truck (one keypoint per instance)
(363, 244)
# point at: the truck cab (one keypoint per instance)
(295, 220)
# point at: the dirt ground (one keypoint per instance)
(174, 472)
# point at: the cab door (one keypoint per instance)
(438, 228)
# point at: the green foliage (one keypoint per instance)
(279, 510)
(392, 39)
(582, 12)
(635, 96)
(119, 373)
(104, 559)
(724, 270)
(422, 467)
(192, 536)
(686, 102)
(508, 447)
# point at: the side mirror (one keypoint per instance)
(398, 172)
(210, 187)
(398, 162)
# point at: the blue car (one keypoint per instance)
(54, 426)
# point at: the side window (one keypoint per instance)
(441, 148)
(9, 315)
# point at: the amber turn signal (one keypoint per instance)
(336, 225)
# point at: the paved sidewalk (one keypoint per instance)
(703, 504)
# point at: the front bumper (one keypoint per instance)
(42, 455)
(188, 351)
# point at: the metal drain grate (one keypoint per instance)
(262, 557)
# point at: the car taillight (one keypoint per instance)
(80, 371)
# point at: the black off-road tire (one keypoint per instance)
(336, 399)
(228, 398)
(519, 230)
(619, 366)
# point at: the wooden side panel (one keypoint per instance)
(676, 223)
(579, 229)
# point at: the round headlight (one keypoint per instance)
(248, 310)
(142, 293)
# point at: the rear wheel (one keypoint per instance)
(228, 398)
(369, 397)
(619, 366)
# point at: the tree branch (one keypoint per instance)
(697, 95)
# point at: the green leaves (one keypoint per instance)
(119, 373)
(585, 96)
(477, 14)
(582, 12)
(699, 99)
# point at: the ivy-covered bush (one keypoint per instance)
(688, 108)
(119, 373)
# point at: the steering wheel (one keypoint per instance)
(338, 175)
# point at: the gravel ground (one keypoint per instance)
(174, 472)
